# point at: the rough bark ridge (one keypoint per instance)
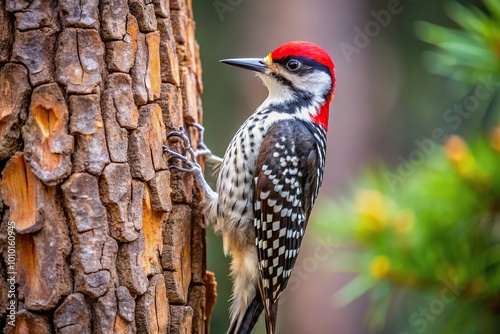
(106, 238)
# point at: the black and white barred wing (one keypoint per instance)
(286, 178)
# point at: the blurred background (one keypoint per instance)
(405, 235)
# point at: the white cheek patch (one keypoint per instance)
(317, 83)
(277, 91)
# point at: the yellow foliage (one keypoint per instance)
(380, 266)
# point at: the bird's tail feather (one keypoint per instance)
(271, 318)
(245, 324)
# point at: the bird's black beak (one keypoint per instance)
(253, 64)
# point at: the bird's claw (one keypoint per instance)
(181, 134)
(176, 155)
(189, 156)
(188, 161)
(194, 168)
(202, 150)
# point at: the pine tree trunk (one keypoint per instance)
(97, 235)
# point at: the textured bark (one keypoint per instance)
(106, 238)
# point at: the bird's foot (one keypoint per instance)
(188, 160)
(188, 157)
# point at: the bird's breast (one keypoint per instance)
(236, 177)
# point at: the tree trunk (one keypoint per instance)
(97, 235)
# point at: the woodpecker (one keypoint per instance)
(269, 178)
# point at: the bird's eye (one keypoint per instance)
(293, 64)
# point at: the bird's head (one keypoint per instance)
(298, 73)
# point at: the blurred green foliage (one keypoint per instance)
(468, 52)
(429, 241)
(438, 227)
